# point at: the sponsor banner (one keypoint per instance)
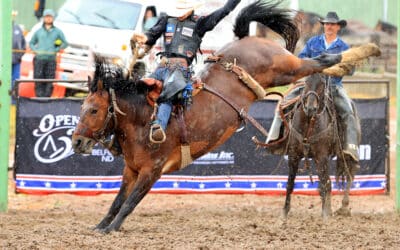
(45, 162)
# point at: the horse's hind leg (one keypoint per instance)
(145, 181)
(129, 178)
(325, 186)
(293, 167)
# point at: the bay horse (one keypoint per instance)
(316, 133)
(117, 105)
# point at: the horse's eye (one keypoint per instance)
(93, 111)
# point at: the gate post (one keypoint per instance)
(397, 184)
(5, 78)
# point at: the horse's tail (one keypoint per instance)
(267, 13)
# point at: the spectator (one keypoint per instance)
(150, 18)
(18, 47)
(45, 43)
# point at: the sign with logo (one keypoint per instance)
(45, 162)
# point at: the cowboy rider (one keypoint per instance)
(182, 33)
(329, 42)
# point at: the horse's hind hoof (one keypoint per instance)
(343, 212)
(106, 230)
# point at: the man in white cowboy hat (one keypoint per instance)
(329, 42)
(182, 33)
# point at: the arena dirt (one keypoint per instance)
(201, 222)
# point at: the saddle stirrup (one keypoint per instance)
(157, 134)
(275, 129)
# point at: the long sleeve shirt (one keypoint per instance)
(316, 45)
(43, 43)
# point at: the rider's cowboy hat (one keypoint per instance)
(332, 17)
(182, 7)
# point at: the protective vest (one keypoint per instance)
(180, 39)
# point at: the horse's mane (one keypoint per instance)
(116, 77)
(267, 13)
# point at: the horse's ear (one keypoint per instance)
(99, 85)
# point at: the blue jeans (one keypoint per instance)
(165, 104)
(163, 114)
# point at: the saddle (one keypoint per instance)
(286, 108)
(156, 87)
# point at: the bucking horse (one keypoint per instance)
(117, 105)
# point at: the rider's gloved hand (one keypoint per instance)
(139, 38)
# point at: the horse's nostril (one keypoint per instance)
(77, 143)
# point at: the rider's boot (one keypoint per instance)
(275, 129)
(351, 138)
(157, 134)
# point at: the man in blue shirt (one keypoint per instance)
(329, 43)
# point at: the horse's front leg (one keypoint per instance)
(325, 185)
(128, 181)
(350, 169)
(144, 182)
(293, 167)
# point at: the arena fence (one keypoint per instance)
(45, 162)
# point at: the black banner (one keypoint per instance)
(45, 162)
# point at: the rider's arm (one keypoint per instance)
(156, 31)
(207, 23)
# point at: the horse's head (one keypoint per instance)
(93, 120)
(314, 94)
(98, 115)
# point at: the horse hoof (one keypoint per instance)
(284, 214)
(99, 227)
(343, 212)
(106, 230)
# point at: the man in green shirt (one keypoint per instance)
(45, 43)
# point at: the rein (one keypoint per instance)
(242, 113)
(245, 78)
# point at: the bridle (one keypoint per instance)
(307, 94)
(101, 135)
(305, 98)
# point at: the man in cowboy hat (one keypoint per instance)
(182, 33)
(329, 42)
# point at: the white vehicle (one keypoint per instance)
(100, 26)
(106, 26)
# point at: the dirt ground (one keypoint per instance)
(201, 222)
